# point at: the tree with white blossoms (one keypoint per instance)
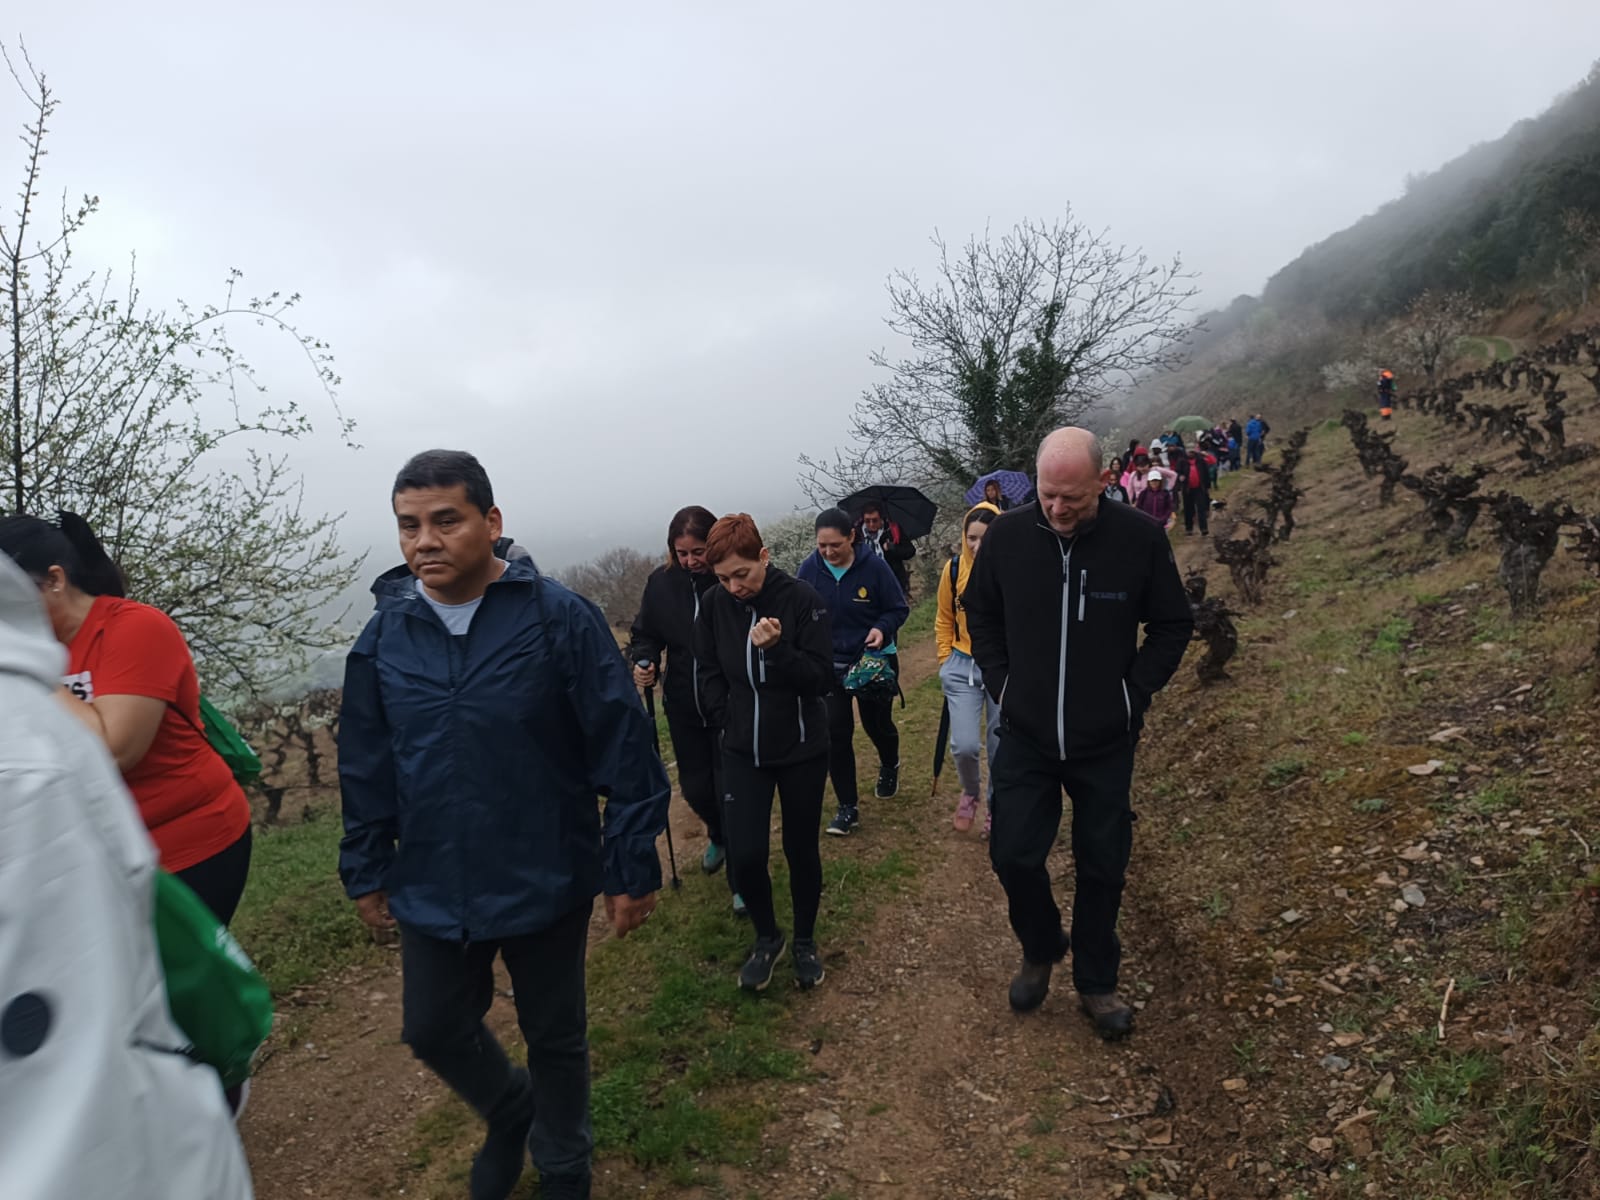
(1434, 323)
(150, 424)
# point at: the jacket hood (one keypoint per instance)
(966, 519)
(27, 647)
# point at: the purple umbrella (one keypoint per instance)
(1014, 486)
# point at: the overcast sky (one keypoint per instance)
(633, 255)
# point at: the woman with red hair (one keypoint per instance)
(764, 650)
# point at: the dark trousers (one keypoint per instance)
(447, 989)
(1027, 818)
(1253, 449)
(747, 811)
(877, 718)
(699, 754)
(219, 880)
(1196, 503)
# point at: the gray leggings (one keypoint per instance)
(962, 682)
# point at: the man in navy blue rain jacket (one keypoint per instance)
(485, 710)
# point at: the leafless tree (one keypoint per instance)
(1014, 336)
(615, 581)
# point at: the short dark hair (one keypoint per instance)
(446, 468)
(871, 506)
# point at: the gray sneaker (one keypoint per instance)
(845, 822)
(756, 973)
(808, 969)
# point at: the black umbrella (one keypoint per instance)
(938, 749)
(905, 506)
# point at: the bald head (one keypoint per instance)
(1070, 478)
(1071, 447)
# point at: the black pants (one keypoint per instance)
(748, 814)
(220, 879)
(447, 989)
(1196, 502)
(877, 718)
(699, 754)
(1027, 818)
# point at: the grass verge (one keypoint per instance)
(294, 919)
(688, 1071)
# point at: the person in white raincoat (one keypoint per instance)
(95, 1098)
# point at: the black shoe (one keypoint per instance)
(888, 782)
(498, 1165)
(757, 970)
(808, 970)
(1112, 1015)
(842, 825)
(1031, 986)
(564, 1187)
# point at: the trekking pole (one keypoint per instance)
(655, 732)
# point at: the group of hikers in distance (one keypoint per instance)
(486, 707)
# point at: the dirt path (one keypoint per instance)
(925, 1083)
(334, 1107)
(930, 1086)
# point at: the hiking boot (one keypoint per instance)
(808, 970)
(888, 782)
(498, 1165)
(1031, 986)
(757, 970)
(711, 862)
(739, 910)
(844, 823)
(966, 810)
(1112, 1015)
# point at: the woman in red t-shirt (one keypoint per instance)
(131, 680)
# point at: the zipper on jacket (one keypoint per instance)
(694, 660)
(750, 674)
(1083, 591)
(1066, 623)
(1127, 703)
(800, 711)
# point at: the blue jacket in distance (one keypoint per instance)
(1253, 430)
(471, 767)
(868, 597)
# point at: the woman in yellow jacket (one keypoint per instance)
(959, 675)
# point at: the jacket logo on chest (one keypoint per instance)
(861, 595)
(1122, 596)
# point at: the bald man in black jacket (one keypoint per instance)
(1058, 594)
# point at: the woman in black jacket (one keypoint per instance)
(765, 656)
(673, 596)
